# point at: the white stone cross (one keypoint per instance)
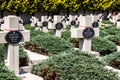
(118, 24)
(114, 19)
(10, 37)
(44, 20)
(34, 21)
(50, 23)
(85, 33)
(72, 21)
(58, 25)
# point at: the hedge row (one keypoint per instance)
(75, 66)
(103, 46)
(57, 5)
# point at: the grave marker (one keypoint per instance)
(11, 36)
(118, 23)
(58, 25)
(44, 23)
(73, 24)
(34, 21)
(50, 24)
(85, 33)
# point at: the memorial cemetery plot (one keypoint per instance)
(61, 50)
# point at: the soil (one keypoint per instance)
(115, 64)
(34, 48)
(23, 62)
(49, 75)
(75, 44)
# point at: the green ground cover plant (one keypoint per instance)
(75, 66)
(103, 46)
(113, 60)
(47, 44)
(114, 38)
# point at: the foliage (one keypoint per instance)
(51, 44)
(106, 22)
(1, 52)
(23, 54)
(57, 5)
(114, 38)
(51, 32)
(103, 46)
(23, 60)
(115, 56)
(33, 33)
(28, 27)
(66, 35)
(112, 30)
(47, 43)
(6, 74)
(102, 33)
(75, 66)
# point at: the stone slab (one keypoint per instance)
(112, 69)
(35, 57)
(26, 69)
(118, 48)
(92, 52)
(29, 76)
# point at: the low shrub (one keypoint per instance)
(76, 66)
(36, 33)
(6, 74)
(103, 46)
(106, 22)
(113, 60)
(112, 31)
(102, 33)
(66, 35)
(51, 32)
(49, 44)
(23, 57)
(75, 42)
(28, 27)
(114, 38)
(1, 52)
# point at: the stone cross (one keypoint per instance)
(11, 36)
(34, 21)
(72, 21)
(58, 25)
(118, 23)
(44, 23)
(85, 33)
(50, 23)
(114, 19)
(67, 20)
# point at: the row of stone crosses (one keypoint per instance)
(44, 23)
(13, 33)
(59, 23)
